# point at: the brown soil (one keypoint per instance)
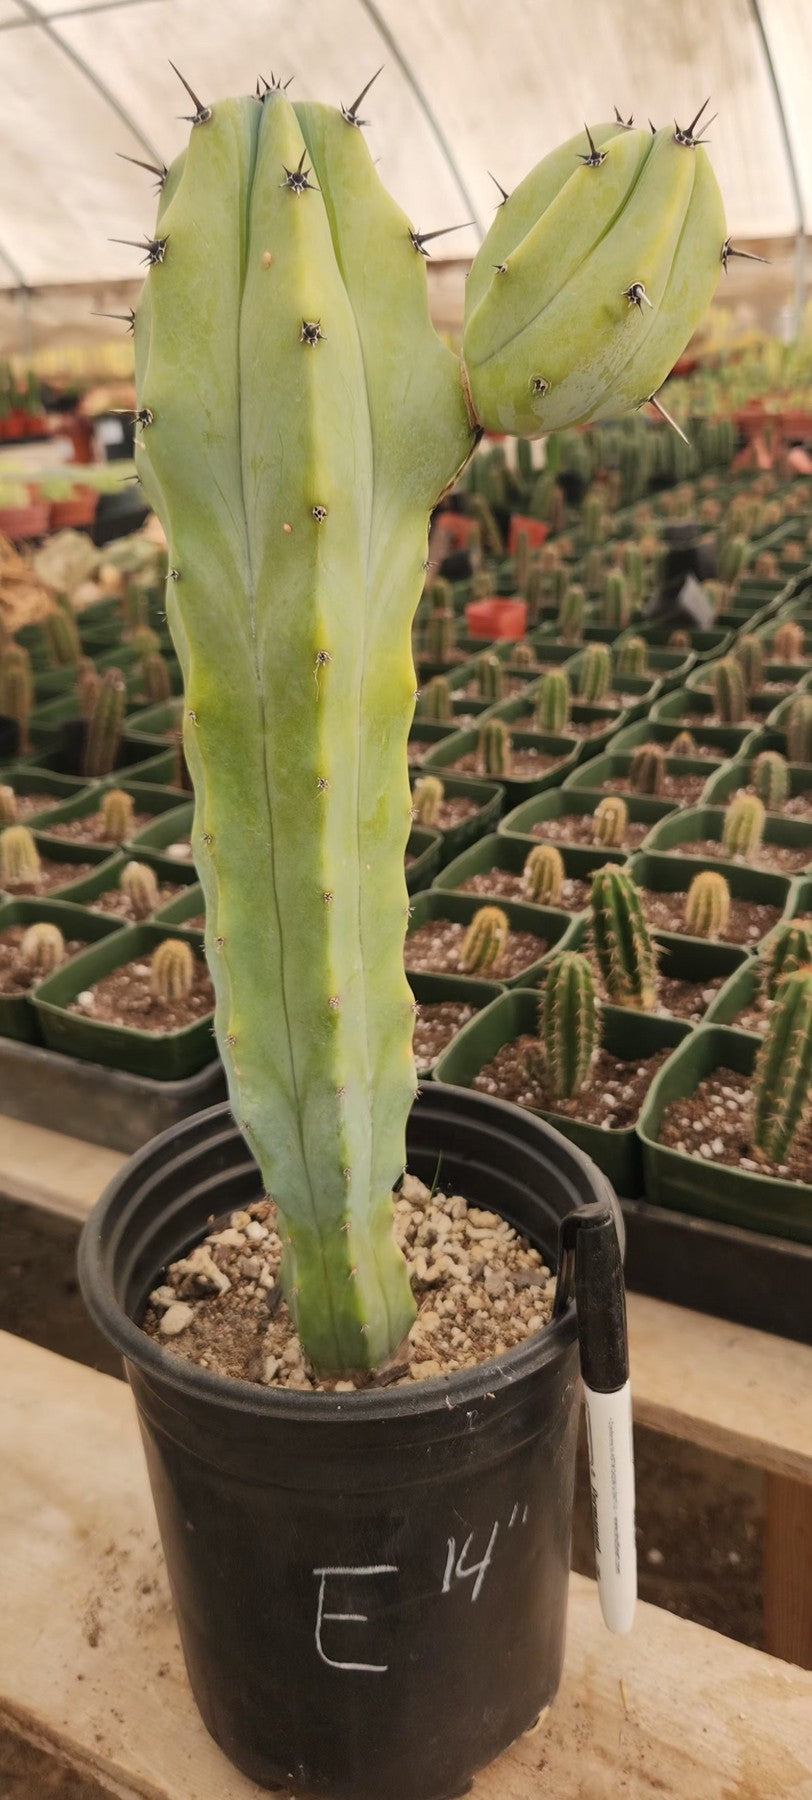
(526, 765)
(714, 1123)
(684, 789)
(579, 828)
(123, 998)
(90, 829)
(114, 900)
(507, 886)
(688, 999)
(612, 1099)
(748, 923)
(30, 804)
(454, 810)
(14, 979)
(480, 1290)
(575, 727)
(799, 806)
(434, 949)
(436, 1024)
(418, 751)
(52, 875)
(779, 859)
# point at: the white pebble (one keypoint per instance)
(256, 1232)
(271, 1368)
(705, 1150)
(162, 1296)
(179, 852)
(176, 1319)
(85, 998)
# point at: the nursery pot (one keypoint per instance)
(370, 1588)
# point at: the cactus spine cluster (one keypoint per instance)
(485, 941)
(594, 674)
(610, 822)
(799, 729)
(139, 882)
(743, 828)
(770, 777)
(623, 948)
(569, 1025)
(729, 695)
(552, 709)
(427, 798)
(707, 905)
(543, 875)
(171, 971)
(647, 769)
(19, 857)
(117, 811)
(683, 744)
(789, 948)
(495, 749)
(300, 419)
(104, 725)
(490, 678)
(42, 950)
(782, 1079)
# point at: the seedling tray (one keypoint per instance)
(99, 1105)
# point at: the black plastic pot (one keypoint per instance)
(370, 1588)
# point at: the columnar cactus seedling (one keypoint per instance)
(569, 1025)
(172, 971)
(749, 654)
(88, 688)
(799, 729)
(495, 749)
(117, 811)
(770, 776)
(616, 606)
(485, 941)
(139, 882)
(538, 591)
(623, 948)
(631, 659)
(610, 822)
(435, 701)
(594, 520)
(594, 577)
(8, 805)
(572, 613)
(552, 709)
(729, 694)
(648, 768)
(42, 949)
(16, 689)
(543, 875)
(789, 948)
(156, 678)
(490, 678)
(298, 419)
(440, 635)
(743, 828)
(782, 1079)
(523, 656)
(145, 642)
(731, 559)
(683, 744)
(594, 674)
(634, 571)
(19, 857)
(104, 725)
(62, 638)
(788, 643)
(427, 798)
(707, 905)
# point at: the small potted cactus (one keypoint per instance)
(139, 999)
(297, 421)
(37, 937)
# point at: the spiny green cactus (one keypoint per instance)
(435, 701)
(495, 749)
(743, 828)
(770, 776)
(788, 643)
(17, 689)
(648, 768)
(62, 638)
(634, 571)
(631, 659)
(782, 1078)
(749, 654)
(552, 708)
(679, 640)
(171, 971)
(683, 744)
(569, 1025)
(731, 559)
(572, 613)
(490, 678)
(593, 570)
(140, 884)
(8, 805)
(88, 688)
(595, 674)
(104, 725)
(134, 607)
(156, 678)
(428, 795)
(616, 606)
(538, 592)
(623, 948)
(485, 941)
(789, 948)
(728, 690)
(610, 822)
(19, 856)
(594, 521)
(707, 905)
(117, 811)
(543, 874)
(523, 656)
(440, 635)
(799, 729)
(42, 949)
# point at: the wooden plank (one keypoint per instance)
(788, 1569)
(90, 1665)
(45, 1168)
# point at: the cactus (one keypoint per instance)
(521, 561)
(427, 798)
(104, 725)
(799, 729)
(157, 682)
(440, 635)
(729, 696)
(594, 577)
(42, 950)
(495, 749)
(8, 805)
(594, 520)
(17, 689)
(610, 822)
(19, 857)
(707, 905)
(679, 640)
(538, 587)
(631, 659)
(647, 770)
(543, 875)
(171, 971)
(523, 656)
(482, 512)
(770, 776)
(634, 571)
(616, 608)
(485, 941)
(62, 638)
(683, 744)
(145, 642)
(552, 709)
(749, 654)
(140, 884)
(782, 1078)
(490, 678)
(789, 948)
(482, 585)
(743, 828)
(117, 811)
(788, 643)
(572, 613)
(569, 1026)
(435, 701)
(731, 559)
(594, 674)
(624, 950)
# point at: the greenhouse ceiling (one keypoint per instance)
(466, 87)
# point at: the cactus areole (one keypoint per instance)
(298, 419)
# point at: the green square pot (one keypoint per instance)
(56, 850)
(740, 991)
(705, 1189)
(156, 723)
(431, 989)
(654, 731)
(501, 852)
(140, 760)
(18, 1018)
(25, 779)
(614, 767)
(488, 797)
(425, 848)
(672, 710)
(674, 874)
(521, 708)
(188, 905)
(562, 800)
(555, 928)
(88, 799)
(675, 834)
(170, 1057)
(423, 731)
(461, 743)
(170, 826)
(625, 1034)
(696, 959)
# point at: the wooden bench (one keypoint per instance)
(738, 1392)
(91, 1669)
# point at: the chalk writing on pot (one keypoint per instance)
(348, 1618)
